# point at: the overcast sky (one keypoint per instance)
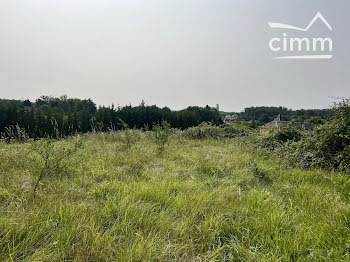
(172, 53)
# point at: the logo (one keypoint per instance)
(299, 46)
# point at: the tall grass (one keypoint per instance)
(203, 200)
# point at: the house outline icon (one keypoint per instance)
(318, 16)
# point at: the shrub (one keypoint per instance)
(52, 154)
(276, 137)
(207, 131)
(161, 135)
(327, 147)
(128, 138)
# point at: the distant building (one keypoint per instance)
(278, 123)
(229, 118)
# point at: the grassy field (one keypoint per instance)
(197, 201)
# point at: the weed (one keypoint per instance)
(52, 155)
(161, 135)
(14, 134)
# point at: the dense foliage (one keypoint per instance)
(47, 115)
(327, 147)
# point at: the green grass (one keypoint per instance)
(197, 201)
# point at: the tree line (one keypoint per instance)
(48, 115)
(263, 115)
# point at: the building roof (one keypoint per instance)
(300, 125)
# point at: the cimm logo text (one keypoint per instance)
(301, 47)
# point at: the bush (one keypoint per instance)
(208, 131)
(52, 154)
(274, 138)
(161, 135)
(130, 136)
(327, 147)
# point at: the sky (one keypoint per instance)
(173, 53)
